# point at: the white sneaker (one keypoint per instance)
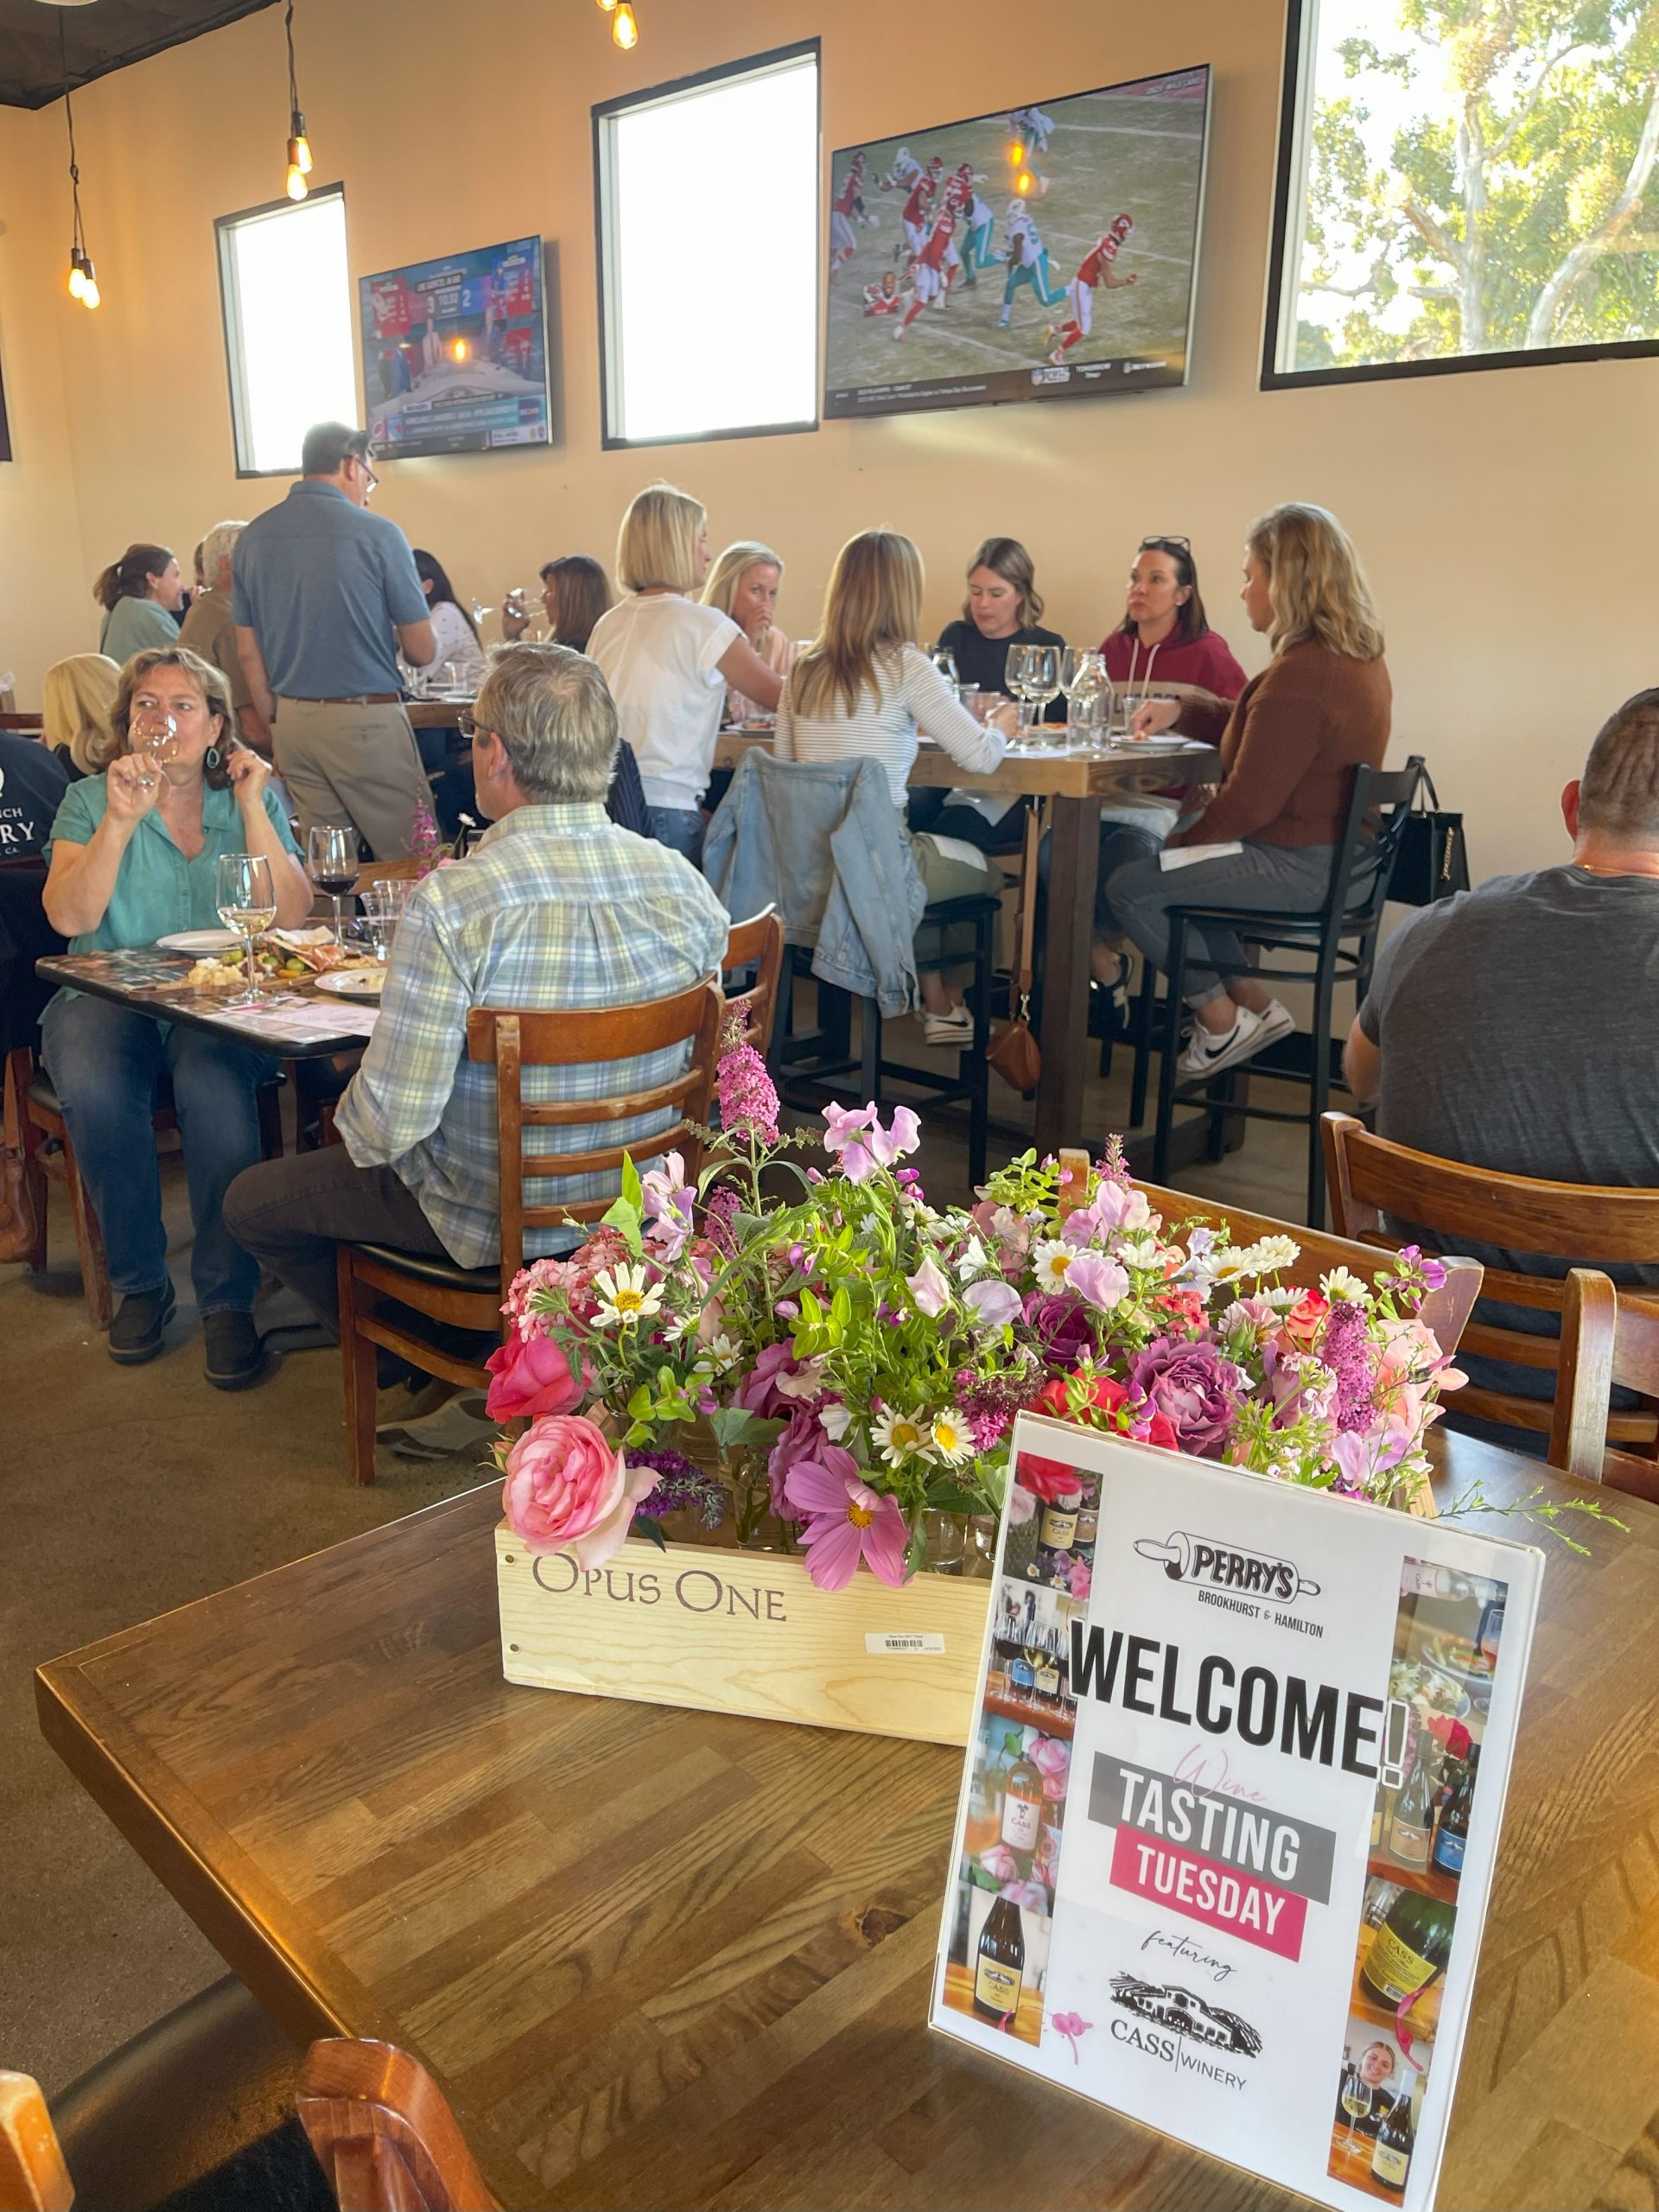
(459, 1425)
(956, 1027)
(1208, 1055)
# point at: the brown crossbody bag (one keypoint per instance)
(1015, 1054)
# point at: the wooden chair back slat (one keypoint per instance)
(1369, 1176)
(1609, 1341)
(383, 2133)
(33, 2178)
(757, 942)
(515, 1041)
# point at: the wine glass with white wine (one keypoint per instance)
(247, 903)
(1356, 2098)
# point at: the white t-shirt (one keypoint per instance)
(661, 657)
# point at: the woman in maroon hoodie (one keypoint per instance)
(1163, 639)
(1320, 708)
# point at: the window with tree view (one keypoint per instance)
(1466, 181)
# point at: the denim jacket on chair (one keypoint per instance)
(821, 840)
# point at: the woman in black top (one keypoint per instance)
(1003, 607)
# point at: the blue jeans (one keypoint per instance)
(105, 1061)
(681, 829)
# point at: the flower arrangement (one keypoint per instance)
(856, 1358)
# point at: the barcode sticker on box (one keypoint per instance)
(919, 1640)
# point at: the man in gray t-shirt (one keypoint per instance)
(1514, 1027)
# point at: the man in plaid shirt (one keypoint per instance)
(555, 908)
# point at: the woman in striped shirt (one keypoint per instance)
(864, 688)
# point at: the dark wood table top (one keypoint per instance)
(154, 983)
(663, 1958)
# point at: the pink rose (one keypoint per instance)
(529, 1376)
(568, 1489)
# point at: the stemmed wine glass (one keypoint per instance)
(1356, 2098)
(1042, 675)
(246, 899)
(946, 661)
(154, 737)
(1014, 676)
(331, 856)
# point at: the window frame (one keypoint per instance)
(229, 290)
(604, 181)
(1289, 203)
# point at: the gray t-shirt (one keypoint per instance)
(1516, 1026)
(323, 585)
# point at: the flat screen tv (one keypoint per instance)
(1048, 252)
(454, 352)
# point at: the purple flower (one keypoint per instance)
(758, 1393)
(1193, 1386)
(748, 1102)
(801, 1439)
(861, 1142)
(719, 1209)
(1060, 1328)
(681, 1487)
(1345, 1349)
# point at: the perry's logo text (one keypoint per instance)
(1227, 1566)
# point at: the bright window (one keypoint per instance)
(709, 227)
(287, 298)
(1464, 183)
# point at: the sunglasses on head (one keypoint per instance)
(1171, 544)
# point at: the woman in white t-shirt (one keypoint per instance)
(863, 687)
(454, 629)
(668, 660)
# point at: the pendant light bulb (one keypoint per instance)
(89, 291)
(625, 32)
(607, 5)
(77, 275)
(297, 187)
(299, 146)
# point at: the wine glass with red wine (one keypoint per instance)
(331, 856)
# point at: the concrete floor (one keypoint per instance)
(128, 1492)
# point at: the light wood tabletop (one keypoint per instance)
(662, 1958)
(1110, 773)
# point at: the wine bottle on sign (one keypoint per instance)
(1022, 1805)
(1391, 2153)
(1413, 1809)
(1452, 1836)
(999, 1964)
(1059, 1531)
(1409, 1948)
(1088, 1518)
(1048, 1665)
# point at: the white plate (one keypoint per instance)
(199, 941)
(354, 982)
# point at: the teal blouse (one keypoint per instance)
(156, 889)
(132, 624)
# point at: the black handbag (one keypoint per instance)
(1431, 861)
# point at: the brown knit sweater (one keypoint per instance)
(1287, 746)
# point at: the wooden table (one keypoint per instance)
(154, 983)
(1077, 782)
(662, 1958)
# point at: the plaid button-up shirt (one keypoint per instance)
(555, 908)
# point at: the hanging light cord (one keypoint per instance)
(69, 118)
(293, 81)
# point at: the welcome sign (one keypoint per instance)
(1231, 1807)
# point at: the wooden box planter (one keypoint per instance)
(744, 1632)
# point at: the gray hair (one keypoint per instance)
(218, 546)
(555, 717)
(1619, 793)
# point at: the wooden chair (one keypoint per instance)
(33, 2177)
(383, 2133)
(1369, 1176)
(471, 1298)
(757, 944)
(49, 1154)
(1608, 1343)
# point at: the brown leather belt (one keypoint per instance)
(357, 699)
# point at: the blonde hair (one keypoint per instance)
(730, 568)
(872, 611)
(76, 705)
(657, 544)
(1316, 586)
(213, 684)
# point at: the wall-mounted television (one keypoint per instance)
(454, 352)
(1048, 252)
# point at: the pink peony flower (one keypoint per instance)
(846, 1520)
(568, 1489)
(529, 1375)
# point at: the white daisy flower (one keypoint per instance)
(950, 1439)
(1282, 1301)
(899, 1437)
(626, 1297)
(1138, 1251)
(1339, 1283)
(722, 1351)
(1266, 1257)
(1051, 1261)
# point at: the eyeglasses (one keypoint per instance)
(470, 727)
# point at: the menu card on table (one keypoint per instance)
(1231, 1807)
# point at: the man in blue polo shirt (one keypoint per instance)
(324, 596)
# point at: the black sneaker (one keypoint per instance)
(235, 1353)
(136, 1330)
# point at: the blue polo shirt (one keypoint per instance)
(322, 584)
(156, 889)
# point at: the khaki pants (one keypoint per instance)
(352, 765)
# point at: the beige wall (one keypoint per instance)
(1506, 519)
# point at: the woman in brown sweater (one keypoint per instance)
(1318, 709)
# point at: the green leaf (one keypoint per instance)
(651, 1530)
(632, 1189)
(737, 1425)
(625, 1217)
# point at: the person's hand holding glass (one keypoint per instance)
(247, 903)
(331, 857)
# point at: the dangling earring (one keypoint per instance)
(211, 759)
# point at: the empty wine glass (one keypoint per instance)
(331, 856)
(246, 899)
(153, 735)
(1014, 675)
(946, 661)
(480, 610)
(1042, 676)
